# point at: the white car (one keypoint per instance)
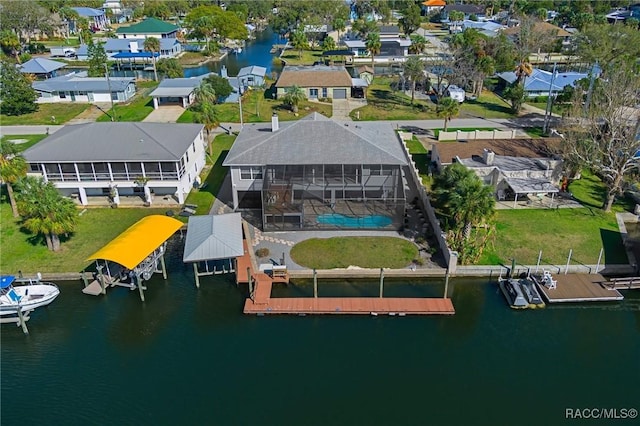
(455, 93)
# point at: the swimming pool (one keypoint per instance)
(336, 219)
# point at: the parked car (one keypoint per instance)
(455, 93)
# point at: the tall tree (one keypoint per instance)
(204, 94)
(463, 202)
(373, 45)
(206, 114)
(12, 168)
(220, 87)
(605, 137)
(414, 70)
(410, 20)
(516, 95)
(418, 43)
(299, 41)
(97, 59)
(45, 211)
(339, 26)
(18, 97)
(605, 43)
(152, 45)
(328, 44)
(170, 68)
(447, 108)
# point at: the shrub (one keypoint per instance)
(262, 252)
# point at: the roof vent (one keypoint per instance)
(141, 140)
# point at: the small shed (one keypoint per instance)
(213, 243)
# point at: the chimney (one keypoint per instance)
(275, 124)
(488, 156)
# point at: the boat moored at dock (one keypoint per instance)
(513, 292)
(531, 293)
(25, 298)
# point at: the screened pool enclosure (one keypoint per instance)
(332, 196)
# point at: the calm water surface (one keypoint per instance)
(191, 357)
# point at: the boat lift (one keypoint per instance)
(134, 256)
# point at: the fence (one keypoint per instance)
(460, 135)
(450, 256)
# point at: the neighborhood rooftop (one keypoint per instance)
(213, 237)
(115, 142)
(81, 83)
(531, 148)
(41, 66)
(148, 26)
(315, 76)
(317, 139)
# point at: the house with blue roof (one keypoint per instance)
(97, 18)
(42, 67)
(251, 76)
(77, 87)
(539, 82)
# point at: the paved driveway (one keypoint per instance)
(165, 114)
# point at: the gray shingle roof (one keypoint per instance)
(115, 142)
(315, 76)
(74, 82)
(41, 66)
(213, 237)
(317, 140)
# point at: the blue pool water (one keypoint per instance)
(336, 219)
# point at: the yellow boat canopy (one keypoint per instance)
(131, 247)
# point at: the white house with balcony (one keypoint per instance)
(141, 161)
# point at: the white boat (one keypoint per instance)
(24, 298)
(237, 50)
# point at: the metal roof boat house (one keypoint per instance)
(316, 173)
(113, 163)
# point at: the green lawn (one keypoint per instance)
(213, 176)
(58, 113)
(308, 57)
(341, 252)
(384, 103)
(259, 106)
(136, 109)
(416, 147)
(522, 233)
(23, 142)
(23, 251)
(557, 108)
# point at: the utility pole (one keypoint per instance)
(113, 111)
(240, 103)
(547, 111)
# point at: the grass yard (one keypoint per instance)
(416, 147)
(522, 233)
(341, 252)
(259, 106)
(557, 108)
(23, 251)
(191, 58)
(213, 177)
(58, 113)
(291, 57)
(384, 103)
(23, 142)
(136, 109)
(186, 117)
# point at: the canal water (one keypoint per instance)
(189, 356)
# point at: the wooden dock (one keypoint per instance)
(262, 303)
(579, 288)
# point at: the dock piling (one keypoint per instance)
(539, 259)
(195, 272)
(599, 259)
(22, 321)
(381, 282)
(566, 269)
(446, 284)
(315, 283)
(250, 280)
(164, 267)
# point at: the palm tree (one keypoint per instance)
(206, 114)
(447, 108)
(414, 70)
(523, 70)
(373, 45)
(339, 25)
(294, 96)
(68, 15)
(328, 44)
(418, 43)
(152, 44)
(45, 210)
(299, 41)
(12, 168)
(205, 94)
(10, 43)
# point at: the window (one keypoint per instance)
(193, 145)
(63, 95)
(250, 173)
(34, 167)
(313, 93)
(324, 92)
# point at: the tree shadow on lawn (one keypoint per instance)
(614, 251)
(489, 106)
